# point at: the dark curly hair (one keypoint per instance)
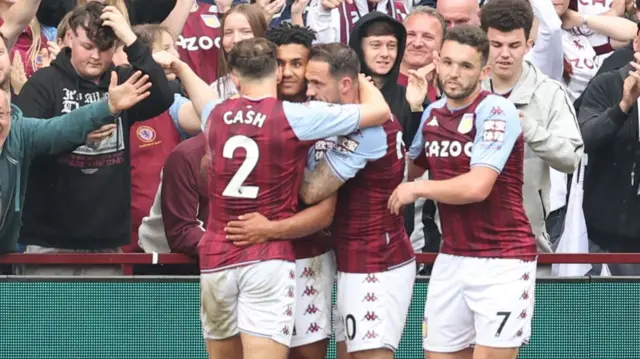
(507, 16)
(287, 33)
(87, 17)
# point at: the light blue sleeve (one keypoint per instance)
(497, 130)
(352, 152)
(206, 111)
(417, 145)
(174, 111)
(315, 120)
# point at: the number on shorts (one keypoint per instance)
(399, 144)
(235, 187)
(504, 321)
(351, 329)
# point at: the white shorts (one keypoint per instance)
(373, 307)
(314, 284)
(484, 301)
(257, 299)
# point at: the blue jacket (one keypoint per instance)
(28, 138)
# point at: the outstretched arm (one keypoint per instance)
(17, 18)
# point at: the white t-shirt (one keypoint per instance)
(582, 58)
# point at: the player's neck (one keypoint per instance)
(259, 90)
(299, 98)
(502, 85)
(350, 98)
(463, 102)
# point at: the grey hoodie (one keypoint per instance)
(552, 138)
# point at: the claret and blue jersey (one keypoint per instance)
(485, 133)
(371, 162)
(258, 150)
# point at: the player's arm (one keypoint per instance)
(497, 129)
(496, 134)
(342, 163)
(254, 228)
(16, 19)
(416, 157)
(200, 93)
(317, 120)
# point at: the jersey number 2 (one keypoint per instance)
(235, 187)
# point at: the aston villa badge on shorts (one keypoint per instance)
(466, 123)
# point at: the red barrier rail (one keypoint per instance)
(174, 258)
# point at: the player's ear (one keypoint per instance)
(279, 74)
(486, 72)
(345, 85)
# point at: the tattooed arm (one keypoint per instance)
(351, 154)
(319, 184)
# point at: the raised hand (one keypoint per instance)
(169, 62)
(631, 86)
(418, 86)
(123, 97)
(270, 8)
(298, 6)
(113, 18)
(332, 4)
(18, 74)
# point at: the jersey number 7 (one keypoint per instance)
(235, 187)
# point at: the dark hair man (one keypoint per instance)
(256, 150)
(81, 200)
(549, 124)
(375, 260)
(471, 143)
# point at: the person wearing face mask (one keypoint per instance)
(549, 126)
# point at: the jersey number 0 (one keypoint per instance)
(252, 154)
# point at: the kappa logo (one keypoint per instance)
(370, 316)
(289, 311)
(309, 291)
(525, 295)
(313, 327)
(523, 314)
(496, 111)
(308, 272)
(370, 297)
(433, 122)
(370, 334)
(370, 278)
(311, 309)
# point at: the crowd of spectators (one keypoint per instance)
(135, 185)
